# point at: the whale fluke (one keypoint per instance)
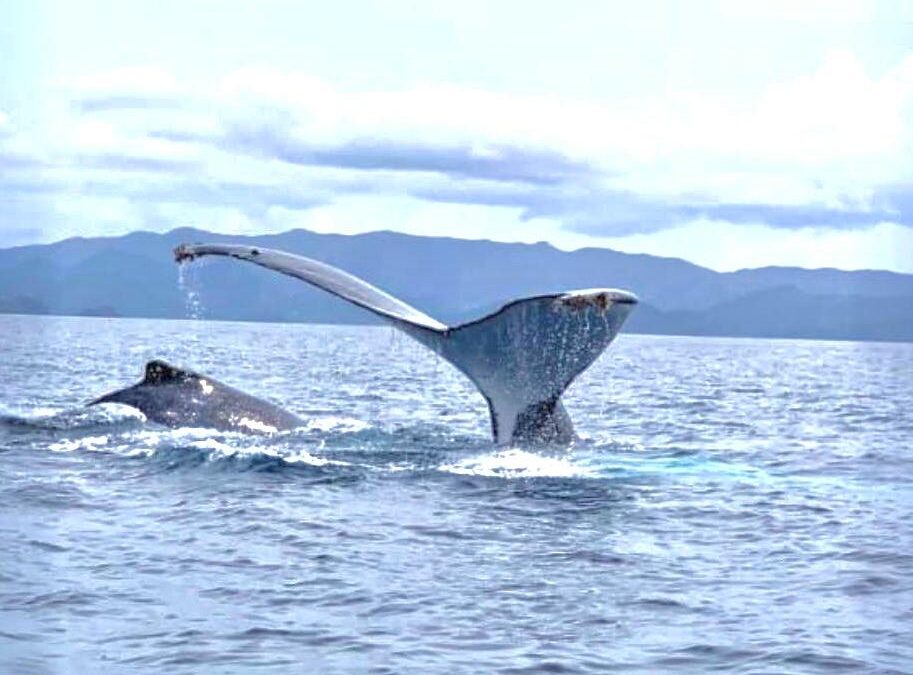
(175, 397)
(521, 357)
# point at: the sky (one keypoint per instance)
(731, 134)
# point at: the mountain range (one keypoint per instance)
(451, 279)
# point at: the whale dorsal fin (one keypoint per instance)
(521, 357)
(159, 372)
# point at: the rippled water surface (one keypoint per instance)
(733, 505)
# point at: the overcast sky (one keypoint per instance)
(729, 134)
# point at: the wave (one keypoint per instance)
(344, 444)
(191, 446)
(61, 419)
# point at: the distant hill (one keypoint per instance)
(450, 279)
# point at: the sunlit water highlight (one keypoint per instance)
(733, 505)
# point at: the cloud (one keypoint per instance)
(498, 163)
(896, 199)
(22, 235)
(605, 212)
(831, 149)
(132, 163)
(807, 11)
(585, 210)
(125, 82)
(727, 247)
(891, 203)
(12, 161)
(102, 103)
(798, 216)
(181, 136)
(107, 194)
(253, 199)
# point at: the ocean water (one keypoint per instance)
(733, 505)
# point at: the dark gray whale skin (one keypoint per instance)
(175, 397)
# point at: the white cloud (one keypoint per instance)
(834, 132)
(804, 11)
(129, 80)
(726, 247)
(829, 139)
(368, 213)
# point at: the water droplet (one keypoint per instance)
(193, 308)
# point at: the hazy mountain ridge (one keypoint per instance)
(451, 279)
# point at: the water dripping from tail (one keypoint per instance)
(188, 284)
(193, 307)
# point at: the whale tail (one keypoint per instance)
(524, 356)
(521, 357)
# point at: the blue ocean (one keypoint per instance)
(732, 505)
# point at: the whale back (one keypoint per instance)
(176, 397)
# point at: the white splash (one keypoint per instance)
(222, 448)
(256, 425)
(147, 442)
(45, 412)
(304, 457)
(93, 443)
(338, 424)
(516, 463)
(218, 448)
(117, 412)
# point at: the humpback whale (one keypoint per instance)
(521, 358)
(175, 397)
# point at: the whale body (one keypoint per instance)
(521, 357)
(175, 397)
